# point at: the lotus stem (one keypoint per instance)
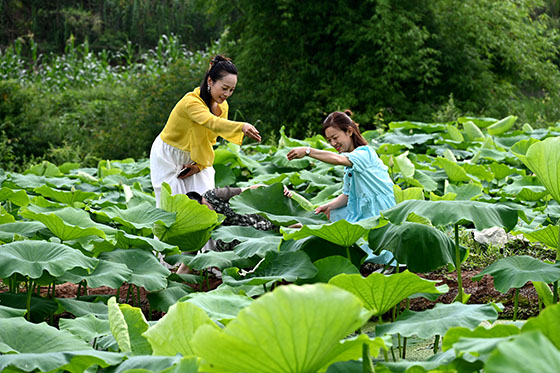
(404, 348)
(128, 292)
(264, 287)
(393, 354)
(79, 290)
(138, 293)
(515, 304)
(436, 344)
(458, 265)
(348, 253)
(367, 365)
(555, 292)
(118, 294)
(30, 286)
(53, 289)
(385, 355)
(399, 343)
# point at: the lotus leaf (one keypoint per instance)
(547, 322)
(147, 271)
(276, 266)
(219, 304)
(529, 352)
(33, 258)
(143, 215)
(516, 271)
(219, 259)
(331, 266)
(340, 233)
(173, 333)
(41, 308)
(465, 192)
(543, 158)
(380, 293)
(193, 225)
(105, 273)
(23, 228)
(421, 247)
(66, 197)
(127, 325)
(483, 215)
(67, 361)
(439, 319)
(86, 328)
(455, 172)
(81, 308)
(252, 241)
(284, 331)
(161, 364)
(19, 197)
(163, 299)
(7, 312)
(271, 203)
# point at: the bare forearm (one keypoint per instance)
(338, 202)
(321, 155)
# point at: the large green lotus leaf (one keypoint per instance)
(105, 273)
(316, 179)
(426, 181)
(421, 247)
(219, 304)
(501, 170)
(193, 223)
(408, 193)
(22, 228)
(401, 138)
(547, 322)
(129, 241)
(404, 166)
(280, 162)
(65, 196)
(547, 235)
(465, 192)
(7, 312)
(276, 266)
(454, 334)
(483, 215)
(331, 266)
(67, 361)
(476, 345)
(284, 331)
(173, 333)
(441, 362)
(219, 259)
(127, 324)
(326, 194)
(86, 327)
(160, 364)
(18, 197)
(438, 320)
(271, 203)
(528, 353)
(425, 127)
(480, 122)
(68, 223)
(41, 308)
(543, 158)
(44, 168)
(340, 233)
(143, 215)
(479, 171)
(252, 241)
(380, 293)
(516, 271)
(525, 188)
(21, 336)
(31, 181)
(163, 299)
(318, 248)
(544, 292)
(33, 258)
(147, 271)
(81, 308)
(455, 172)
(5, 216)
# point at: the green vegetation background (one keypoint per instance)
(88, 80)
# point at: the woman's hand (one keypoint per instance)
(287, 192)
(251, 131)
(297, 153)
(326, 209)
(193, 170)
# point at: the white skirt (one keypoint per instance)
(165, 163)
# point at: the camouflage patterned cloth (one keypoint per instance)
(219, 198)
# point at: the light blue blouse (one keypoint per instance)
(368, 186)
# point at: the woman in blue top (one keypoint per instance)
(368, 188)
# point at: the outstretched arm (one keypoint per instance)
(336, 203)
(321, 155)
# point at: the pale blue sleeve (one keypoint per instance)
(361, 158)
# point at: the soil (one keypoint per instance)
(481, 292)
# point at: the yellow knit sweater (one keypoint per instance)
(192, 127)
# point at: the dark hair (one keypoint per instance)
(343, 122)
(196, 196)
(220, 66)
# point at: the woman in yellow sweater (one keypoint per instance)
(182, 155)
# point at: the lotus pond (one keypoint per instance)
(289, 300)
